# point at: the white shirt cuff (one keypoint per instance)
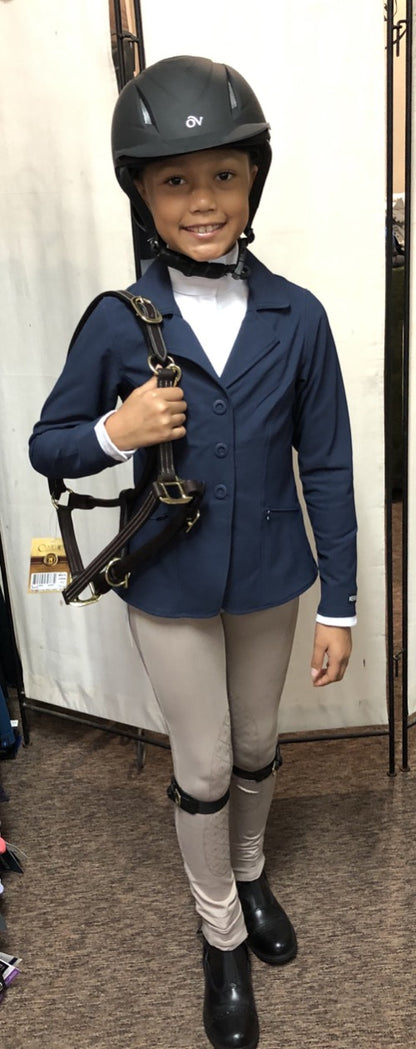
(106, 443)
(335, 621)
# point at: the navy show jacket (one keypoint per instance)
(281, 388)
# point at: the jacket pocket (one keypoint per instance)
(287, 561)
(272, 511)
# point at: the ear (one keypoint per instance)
(140, 186)
(253, 172)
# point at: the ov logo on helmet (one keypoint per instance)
(194, 121)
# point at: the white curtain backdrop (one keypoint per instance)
(66, 236)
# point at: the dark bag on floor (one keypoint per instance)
(113, 565)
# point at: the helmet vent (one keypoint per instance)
(145, 113)
(231, 95)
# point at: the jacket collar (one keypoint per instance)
(268, 294)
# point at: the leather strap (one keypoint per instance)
(109, 570)
(260, 774)
(113, 566)
(192, 805)
(145, 311)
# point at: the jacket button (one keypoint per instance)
(219, 407)
(220, 491)
(221, 450)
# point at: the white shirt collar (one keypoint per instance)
(204, 286)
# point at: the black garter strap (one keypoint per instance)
(261, 774)
(192, 805)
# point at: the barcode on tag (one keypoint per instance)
(48, 580)
(49, 569)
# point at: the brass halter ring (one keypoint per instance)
(155, 367)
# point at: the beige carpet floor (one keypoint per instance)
(104, 923)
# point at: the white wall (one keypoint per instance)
(65, 237)
(320, 78)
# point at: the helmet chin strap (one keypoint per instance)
(191, 268)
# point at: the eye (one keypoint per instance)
(225, 176)
(175, 180)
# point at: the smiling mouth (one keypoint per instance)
(201, 230)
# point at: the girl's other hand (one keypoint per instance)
(331, 653)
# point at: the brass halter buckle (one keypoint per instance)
(177, 496)
(81, 601)
(123, 582)
(56, 502)
(146, 310)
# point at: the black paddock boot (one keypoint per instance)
(230, 1016)
(271, 935)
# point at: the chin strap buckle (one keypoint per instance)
(192, 268)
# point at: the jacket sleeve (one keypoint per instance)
(63, 443)
(323, 442)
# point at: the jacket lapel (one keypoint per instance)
(258, 334)
(259, 331)
(180, 339)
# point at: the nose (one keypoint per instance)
(202, 198)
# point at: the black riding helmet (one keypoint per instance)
(182, 105)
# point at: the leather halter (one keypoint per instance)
(112, 567)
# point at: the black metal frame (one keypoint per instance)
(388, 415)
(406, 362)
(125, 42)
(130, 40)
(395, 33)
(15, 658)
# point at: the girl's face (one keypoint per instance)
(199, 201)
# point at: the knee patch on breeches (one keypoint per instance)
(259, 774)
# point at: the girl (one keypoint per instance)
(214, 616)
